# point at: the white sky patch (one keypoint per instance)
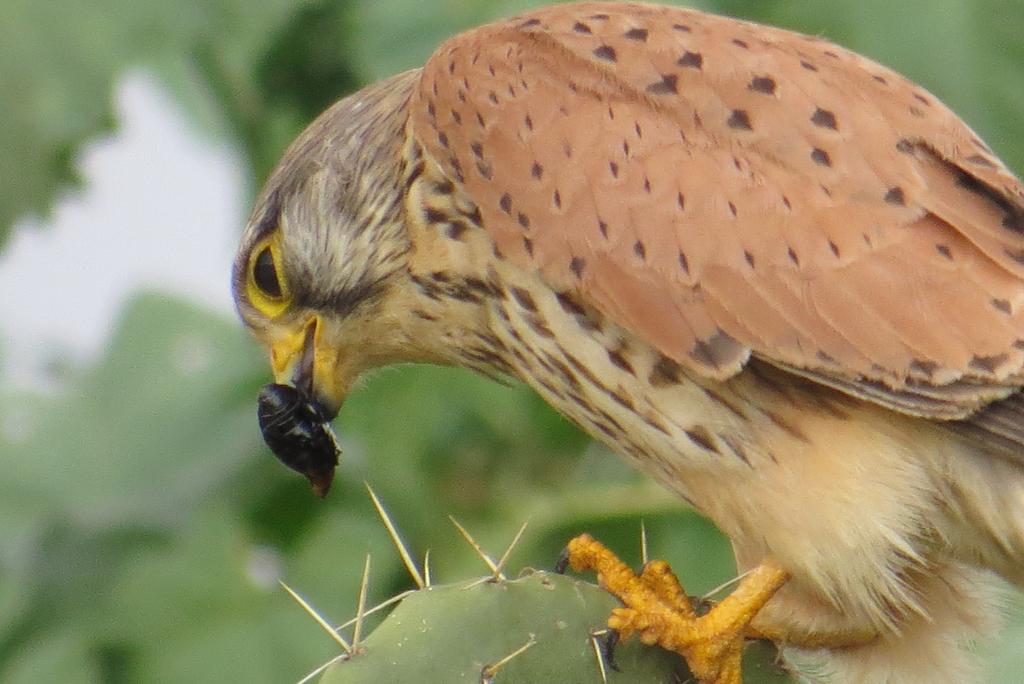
(161, 208)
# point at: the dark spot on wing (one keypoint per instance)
(739, 120)
(821, 157)
(824, 119)
(683, 264)
(895, 196)
(576, 266)
(718, 350)
(987, 364)
(693, 60)
(666, 86)
(763, 84)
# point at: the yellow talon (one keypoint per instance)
(658, 610)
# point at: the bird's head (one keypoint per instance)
(325, 248)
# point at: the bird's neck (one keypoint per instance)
(451, 283)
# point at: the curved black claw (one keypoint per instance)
(701, 606)
(562, 564)
(608, 644)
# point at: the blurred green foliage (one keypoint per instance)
(142, 523)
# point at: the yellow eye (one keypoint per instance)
(267, 290)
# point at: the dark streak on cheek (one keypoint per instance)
(343, 301)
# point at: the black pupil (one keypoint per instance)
(265, 274)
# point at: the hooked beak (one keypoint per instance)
(306, 361)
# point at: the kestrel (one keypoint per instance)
(780, 278)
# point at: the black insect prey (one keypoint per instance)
(296, 430)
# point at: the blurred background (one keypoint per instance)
(143, 525)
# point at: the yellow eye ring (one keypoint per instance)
(267, 289)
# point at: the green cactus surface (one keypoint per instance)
(463, 632)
